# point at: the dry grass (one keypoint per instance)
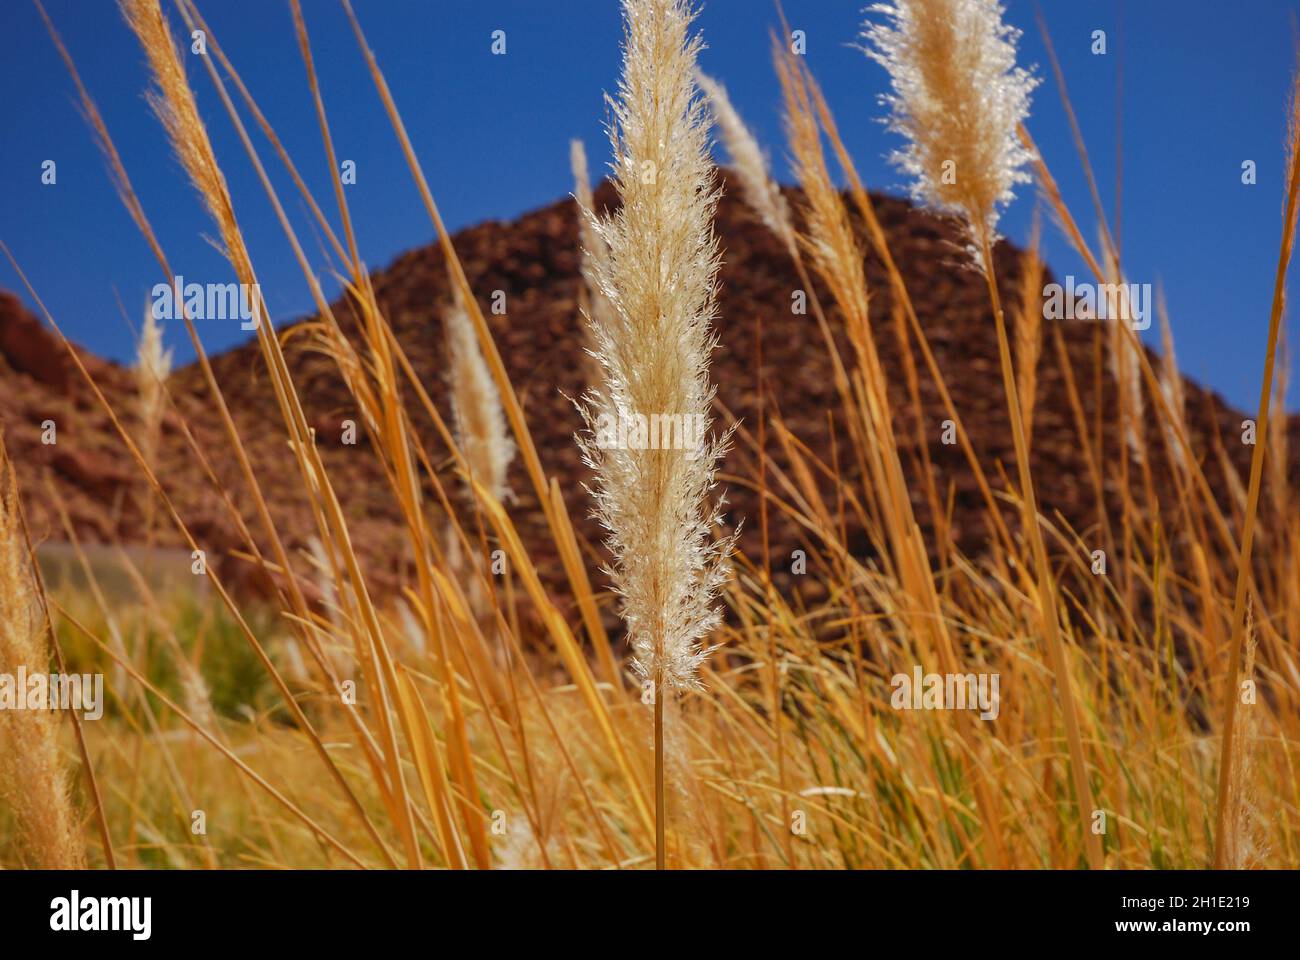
(476, 741)
(659, 279)
(33, 770)
(480, 424)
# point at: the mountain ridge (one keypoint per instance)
(534, 259)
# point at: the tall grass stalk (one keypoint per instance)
(1241, 593)
(480, 425)
(595, 253)
(959, 100)
(660, 280)
(765, 199)
(749, 163)
(33, 775)
(153, 365)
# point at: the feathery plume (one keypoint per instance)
(480, 423)
(411, 629)
(33, 781)
(959, 98)
(1128, 373)
(1126, 365)
(828, 237)
(342, 655)
(660, 279)
(195, 693)
(153, 365)
(748, 161)
(1171, 382)
(1029, 331)
(595, 251)
(1278, 459)
(173, 103)
(591, 240)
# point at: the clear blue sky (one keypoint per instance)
(1204, 88)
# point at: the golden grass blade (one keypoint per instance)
(32, 775)
(1240, 596)
(428, 763)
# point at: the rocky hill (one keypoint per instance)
(88, 484)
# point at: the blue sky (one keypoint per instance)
(1204, 88)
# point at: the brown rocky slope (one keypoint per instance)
(88, 475)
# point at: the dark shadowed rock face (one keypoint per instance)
(535, 261)
(29, 348)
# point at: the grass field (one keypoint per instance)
(1147, 714)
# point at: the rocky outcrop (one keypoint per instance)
(533, 264)
(27, 347)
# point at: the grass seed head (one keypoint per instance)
(959, 99)
(660, 280)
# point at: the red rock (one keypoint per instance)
(30, 348)
(534, 260)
